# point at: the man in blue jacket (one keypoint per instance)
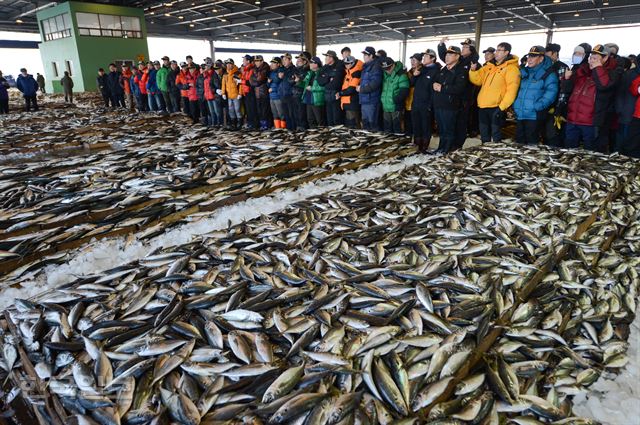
(370, 89)
(538, 91)
(28, 86)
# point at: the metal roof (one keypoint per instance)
(347, 20)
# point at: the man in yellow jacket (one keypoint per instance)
(499, 84)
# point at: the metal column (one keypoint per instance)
(212, 49)
(310, 25)
(403, 50)
(479, 20)
(549, 36)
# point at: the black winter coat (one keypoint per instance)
(470, 91)
(113, 82)
(423, 86)
(454, 84)
(331, 78)
(258, 80)
(625, 102)
(200, 86)
(171, 81)
(300, 72)
(103, 86)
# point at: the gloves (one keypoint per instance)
(224, 96)
(219, 92)
(239, 96)
(237, 80)
(500, 117)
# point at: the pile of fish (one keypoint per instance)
(50, 206)
(413, 298)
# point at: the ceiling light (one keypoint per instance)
(419, 16)
(424, 2)
(214, 10)
(473, 17)
(275, 33)
(341, 31)
(223, 19)
(445, 12)
(556, 1)
(351, 22)
(167, 14)
(152, 13)
(257, 2)
(266, 24)
(180, 17)
(606, 3)
(192, 25)
(510, 20)
(237, 38)
(19, 21)
(576, 14)
(461, 9)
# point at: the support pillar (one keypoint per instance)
(550, 36)
(479, 20)
(212, 49)
(403, 50)
(310, 26)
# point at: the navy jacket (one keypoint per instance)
(454, 84)
(331, 78)
(113, 82)
(152, 83)
(423, 86)
(371, 82)
(535, 94)
(27, 85)
(285, 89)
(625, 102)
(274, 84)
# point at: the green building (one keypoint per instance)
(82, 37)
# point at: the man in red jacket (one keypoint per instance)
(592, 86)
(631, 146)
(248, 93)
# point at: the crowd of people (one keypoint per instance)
(594, 102)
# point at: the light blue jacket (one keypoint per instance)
(535, 94)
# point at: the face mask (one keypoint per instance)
(576, 60)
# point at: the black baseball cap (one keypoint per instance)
(316, 60)
(387, 63)
(349, 60)
(536, 51)
(248, 57)
(489, 49)
(331, 53)
(454, 49)
(369, 51)
(229, 61)
(165, 58)
(258, 58)
(553, 47)
(468, 41)
(416, 56)
(183, 65)
(276, 59)
(601, 50)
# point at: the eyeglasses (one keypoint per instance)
(501, 50)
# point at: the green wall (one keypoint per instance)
(88, 53)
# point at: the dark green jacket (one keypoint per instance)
(395, 88)
(314, 97)
(162, 78)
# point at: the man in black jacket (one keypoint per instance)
(422, 80)
(331, 77)
(174, 91)
(286, 91)
(469, 108)
(449, 86)
(300, 109)
(103, 86)
(115, 88)
(553, 134)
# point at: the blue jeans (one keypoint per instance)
(621, 136)
(156, 102)
(215, 112)
(585, 133)
(234, 109)
(370, 116)
(447, 120)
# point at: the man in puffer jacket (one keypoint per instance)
(631, 146)
(349, 99)
(422, 112)
(625, 103)
(331, 78)
(200, 91)
(285, 90)
(275, 100)
(313, 96)
(395, 89)
(188, 84)
(592, 86)
(538, 91)
(231, 92)
(499, 84)
(370, 89)
(258, 81)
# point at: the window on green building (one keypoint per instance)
(101, 25)
(56, 27)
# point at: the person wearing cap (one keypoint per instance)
(489, 55)
(449, 91)
(313, 96)
(231, 92)
(172, 88)
(156, 100)
(135, 89)
(469, 112)
(188, 84)
(116, 90)
(348, 95)
(125, 80)
(370, 89)
(422, 79)
(162, 79)
(181, 82)
(41, 82)
(298, 90)
(498, 84)
(201, 89)
(209, 108)
(259, 83)
(275, 100)
(416, 63)
(331, 78)
(285, 90)
(103, 88)
(28, 86)
(345, 52)
(139, 80)
(537, 93)
(67, 87)
(553, 132)
(631, 144)
(395, 89)
(592, 86)
(247, 93)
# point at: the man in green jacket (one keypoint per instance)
(395, 89)
(313, 95)
(162, 79)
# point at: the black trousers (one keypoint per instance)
(551, 134)
(490, 128)
(204, 111)
(300, 113)
(168, 101)
(631, 145)
(264, 108)
(462, 123)
(334, 113)
(31, 102)
(421, 121)
(175, 101)
(528, 132)
(352, 118)
(289, 106)
(392, 122)
(315, 116)
(106, 97)
(252, 109)
(449, 122)
(4, 106)
(194, 110)
(144, 105)
(408, 123)
(117, 100)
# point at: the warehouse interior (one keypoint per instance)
(157, 268)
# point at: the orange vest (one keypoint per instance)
(351, 79)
